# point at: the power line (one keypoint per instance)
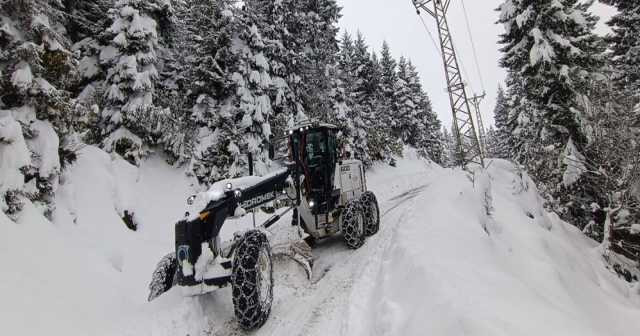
(475, 55)
(431, 36)
(464, 70)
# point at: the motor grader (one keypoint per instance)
(327, 194)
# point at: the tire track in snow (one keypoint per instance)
(355, 322)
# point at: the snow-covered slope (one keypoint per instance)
(439, 265)
(76, 275)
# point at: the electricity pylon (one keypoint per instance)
(475, 101)
(468, 144)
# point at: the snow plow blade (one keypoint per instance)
(300, 252)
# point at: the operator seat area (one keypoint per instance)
(320, 161)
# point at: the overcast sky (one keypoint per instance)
(397, 22)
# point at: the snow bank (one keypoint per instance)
(79, 274)
(446, 273)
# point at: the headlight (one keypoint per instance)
(238, 193)
(229, 186)
(191, 199)
(311, 202)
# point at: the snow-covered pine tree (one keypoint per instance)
(283, 24)
(354, 69)
(611, 170)
(426, 137)
(502, 132)
(551, 44)
(36, 70)
(450, 153)
(493, 144)
(210, 62)
(88, 19)
(361, 95)
(321, 50)
(174, 56)
(382, 144)
(623, 43)
(405, 105)
(131, 122)
(250, 107)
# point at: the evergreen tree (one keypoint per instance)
(131, 122)
(623, 43)
(406, 104)
(282, 23)
(426, 135)
(173, 83)
(450, 153)
(502, 132)
(321, 49)
(551, 44)
(493, 144)
(252, 107)
(36, 72)
(381, 143)
(211, 62)
(362, 95)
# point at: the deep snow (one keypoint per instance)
(440, 265)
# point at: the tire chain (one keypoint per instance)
(250, 312)
(349, 230)
(368, 199)
(164, 276)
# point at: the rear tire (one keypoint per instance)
(371, 213)
(252, 280)
(164, 277)
(353, 224)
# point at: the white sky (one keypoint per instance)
(397, 22)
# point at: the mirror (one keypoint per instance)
(272, 149)
(272, 152)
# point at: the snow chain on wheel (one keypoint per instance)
(371, 213)
(353, 224)
(252, 280)
(164, 277)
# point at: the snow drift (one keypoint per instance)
(454, 268)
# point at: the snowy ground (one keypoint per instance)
(439, 264)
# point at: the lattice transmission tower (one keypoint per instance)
(468, 144)
(475, 101)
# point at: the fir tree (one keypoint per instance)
(426, 135)
(36, 72)
(553, 47)
(493, 144)
(131, 121)
(211, 62)
(320, 38)
(624, 44)
(381, 143)
(405, 105)
(450, 153)
(354, 70)
(502, 132)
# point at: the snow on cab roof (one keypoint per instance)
(311, 123)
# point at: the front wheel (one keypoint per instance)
(164, 277)
(371, 213)
(252, 280)
(353, 224)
